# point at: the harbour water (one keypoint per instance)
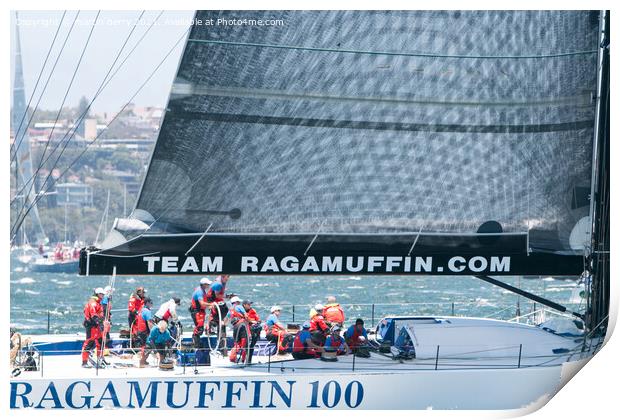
(42, 302)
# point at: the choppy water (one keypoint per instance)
(62, 296)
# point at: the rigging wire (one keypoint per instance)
(16, 145)
(40, 166)
(62, 48)
(18, 223)
(104, 85)
(85, 112)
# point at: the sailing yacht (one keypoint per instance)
(369, 143)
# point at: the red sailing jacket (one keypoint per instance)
(318, 323)
(198, 295)
(300, 345)
(333, 313)
(93, 311)
(141, 324)
(135, 304)
(235, 316)
(213, 296)
(253, 316)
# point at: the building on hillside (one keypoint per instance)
(74, 194)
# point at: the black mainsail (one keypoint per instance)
(417, 142)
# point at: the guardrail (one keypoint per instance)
(472, 358)
(297, 313)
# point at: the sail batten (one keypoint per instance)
(375, 125)
(400, 54)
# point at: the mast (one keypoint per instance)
(598, 258)
(22, 141)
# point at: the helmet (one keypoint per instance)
(275, 308)
(176, 300)
(217, 287)
(247, 302)
(235, 299)
(99, 291)
(306, 325)
(205, 280)
(318, 307)
(108, 289)
(336, 329)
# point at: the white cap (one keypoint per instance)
(235, 299)
(318, 307)
(275, 308)
(99, 290)
(205, 280)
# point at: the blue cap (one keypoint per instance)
(216, 287)
(306, 325)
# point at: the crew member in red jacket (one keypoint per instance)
(198, 308)
(241, 330)
(136, 300)
(217, 321)
(332, 312)
(318, 327)
(144, 323)
(93, 323)
(255, 325)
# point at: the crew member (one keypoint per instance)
(136, 300)
(159, 339)
(93, 323)
(107, 301)
(303, 347)
(144, 324)
(356, 335)
(168, 311)
(255, 327)
(106, 307)
(318, 327)
(332, 312)
(198, 310)
(241, 327)
(216, 296)
(276, 331)
(335, 343)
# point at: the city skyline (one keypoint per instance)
(37, 29)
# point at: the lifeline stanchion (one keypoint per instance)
(437, 358)
(48, 322)
(106, 329)
(353, 362)
(520, 350)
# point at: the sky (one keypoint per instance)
(37, 29)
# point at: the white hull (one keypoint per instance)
(496, 389)
(499, 380)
